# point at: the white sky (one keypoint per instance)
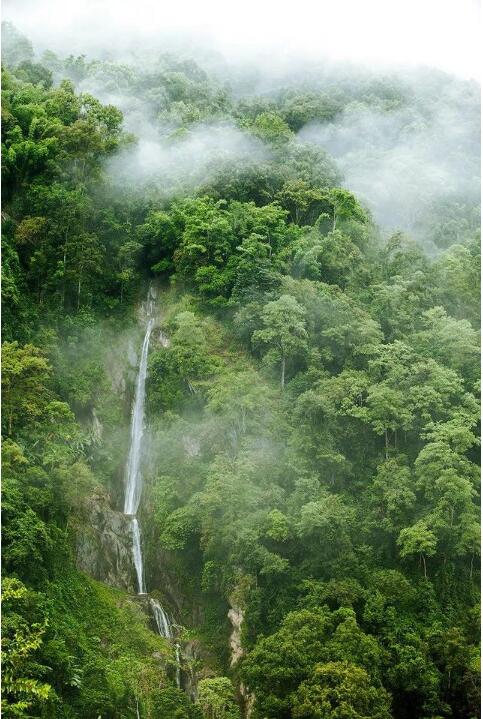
(441, 33)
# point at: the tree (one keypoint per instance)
(172, 703)
(388, 411)
(344, 206)
(284, 333)
(418, 539)
(216, 698)
(301, 200)
(25, 372)
(22, 689)
(271, 127)
(340, 690)
(16, 48)
(128, 259)
(457, 274)
(240, 399)
(392, 493)
(86, 256)
(453, 343)
(279, 665)
(177, 371)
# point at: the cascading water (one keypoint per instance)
(161, 618)
(165, 629)
(134, 479)
(178, 665)
(137, 554)
(134, 486)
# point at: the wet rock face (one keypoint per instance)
(104, 545)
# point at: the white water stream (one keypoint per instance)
(161, 618)
(138, 555)
(134, 487)
(134, 477)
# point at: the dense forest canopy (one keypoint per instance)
(312, 418)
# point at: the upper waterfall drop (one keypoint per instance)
(134, 478)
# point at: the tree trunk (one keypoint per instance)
(334, 220)
(282, 378)
(424, 565)
(78, 294)
(63, 276)
(386, 441)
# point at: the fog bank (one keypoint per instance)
(435, 33)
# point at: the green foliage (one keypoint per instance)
(215, 696)
(21, 640)
(341, 690)
(172, 703)
(283, 332)
(280, 667)
(340, 516)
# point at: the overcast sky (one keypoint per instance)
(440, 33)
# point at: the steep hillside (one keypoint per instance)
(193, 277)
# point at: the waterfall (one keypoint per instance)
(178, 665)
(133, 469)
(161, 618)
(137, 554)
(165, 629)
(134, 479)
(134, 487)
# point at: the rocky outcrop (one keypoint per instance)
(163, 340)
(96, 426)
(248, 701)
(103, 545)
(191, 446)
(236, 616)
(195, 666)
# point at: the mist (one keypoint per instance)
(405, 162)
(375, 33)
(241, 303)
(181, 163)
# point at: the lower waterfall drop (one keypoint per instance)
(137, 555)
(178, 665)
(161, 618)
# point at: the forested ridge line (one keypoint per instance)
(313, 420)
